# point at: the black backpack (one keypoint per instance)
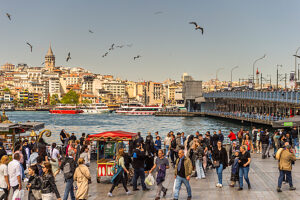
(68, 168)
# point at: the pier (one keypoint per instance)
(263, 176)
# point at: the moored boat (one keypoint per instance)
(65, 110)
(96, 108)
(137, 109)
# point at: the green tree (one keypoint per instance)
(6, 90)
(54, 99)
(70, 98)
(86, 101)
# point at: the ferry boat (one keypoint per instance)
(137, 109)
(96, 108)
(65, 110)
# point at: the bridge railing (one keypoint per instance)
(277, 96)
(246, 115)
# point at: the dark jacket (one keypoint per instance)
(264, 138)
(72, 164)
(221, 137)
(48, 185)
(138, 159)
(36, 183)
(198, 153)
(220, 156)
(215, 139)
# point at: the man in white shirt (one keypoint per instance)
(14, 173)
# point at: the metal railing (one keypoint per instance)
(276, 96)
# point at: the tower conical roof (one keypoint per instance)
(50, 52)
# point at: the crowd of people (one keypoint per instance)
(37, 166)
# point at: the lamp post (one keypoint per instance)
(231, 74)
(254, 67)
(296, 55)
(277, 76)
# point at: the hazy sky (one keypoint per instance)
(236, 32)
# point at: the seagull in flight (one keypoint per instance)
(158, 13)
(120, 46)
(91, 31)
(296, 56)
(43, 63)
(197, 27)
(29, 46)
(105, 54)
(136, 57)
(112, 47)
(69, 57)
(9, 16)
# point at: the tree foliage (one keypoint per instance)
(70, 98)
(54, 99)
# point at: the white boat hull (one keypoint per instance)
(90, 111)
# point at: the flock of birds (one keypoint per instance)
(113, 46)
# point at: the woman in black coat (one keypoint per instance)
(220, 159)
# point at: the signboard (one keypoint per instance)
(105, 169)
(288, 124)
(109, 148)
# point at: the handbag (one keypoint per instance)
(216, 164)
(37, 194)
(89, 180)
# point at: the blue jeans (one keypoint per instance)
(288, 175)
(139, 172)
(69, 189)
(243, 172)
(199, 169)
(167, 150)
(295, 142)
(179, 180)
(220, 173)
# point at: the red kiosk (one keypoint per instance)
(107, 143)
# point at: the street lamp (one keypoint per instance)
(296, 56)
(231, 74)
(254, 67)
(277, 76)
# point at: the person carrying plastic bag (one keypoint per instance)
(161, 165)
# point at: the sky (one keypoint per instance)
(236, 33)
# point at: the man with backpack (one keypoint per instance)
(68, 167)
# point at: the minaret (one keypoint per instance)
(49, 60)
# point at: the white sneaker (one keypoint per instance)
(128, 193)
(220, 185)
(109, 194)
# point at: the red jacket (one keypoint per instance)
(232, 136)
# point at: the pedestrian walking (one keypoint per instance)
(118, 176)
(247, 142)
(34, 184)
(82, 177)
(265, 143)
(167, 143)
(84, 153)
(214, 139)
(48, 184)
(198, 157)
(286, 159)
(221, 136)
(34, 156)
(161, 165)
(157, 144)
(15, 173)
(232, 136)
(68, 166)
(138, 164)
(244, 166)
(183, 172)
(172, 150)
(54, 159)
(4, 179)
(220, 161)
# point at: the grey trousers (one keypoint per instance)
(160, 188)
(264, 150)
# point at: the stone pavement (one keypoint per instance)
(263, 177)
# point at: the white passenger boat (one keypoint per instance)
(137, 109)
(96, 108)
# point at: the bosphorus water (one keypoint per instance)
(90, 124)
